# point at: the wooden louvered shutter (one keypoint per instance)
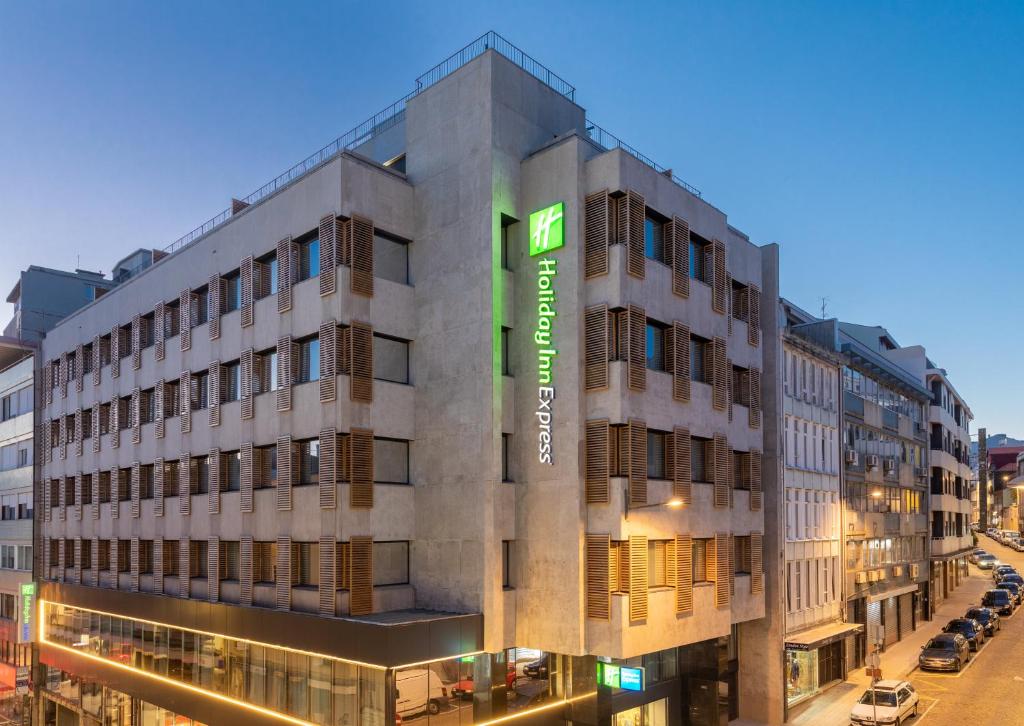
(78, 497)
(245, 376)
(158, 566)
(95, 496)
(720, 375)
(637, 577)
(97, 411)
(136, 334)
(720, 447)
(635, 217)
(185, 483)
(245, 476)
(285, 375)
(595, 234)
(245, 274)
(184, 562)
(284, 573)
(342, 242)
(361, 368)
(133, 564)
(185, 401)
(721, 564)
(362, 256)
(159, 331)
(158, 487)
(115, 422)
(95, 546)
(328, 569)
(719, 289)
(213, 404)
(284, 275)
(62, 499)
(680, 257)
(159, 413)
(62, 372)
(599, 599)
(78, 432)
(361, 469)
(136, 414)
(680, 362)
(215, 483)
(360, 576)
(684, 573)
(328, 265)
(595, 341)
(637, 462)
(597, 452)
(284, 473)
(755, 479)
(754, 407)
(245, 570)
(79, 367)
(636, 375)
(328, 357)
(63, 433)
(682, 474)
(213, 569)
(756, 563)
(216, 304)
(115, 493)
(185, 319)
(47, 383)
(754, 316)
(135, 494)
(328, 473)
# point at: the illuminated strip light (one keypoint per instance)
(530, 712)
(438, 660)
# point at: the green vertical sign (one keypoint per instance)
(547, 229)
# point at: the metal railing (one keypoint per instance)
(609, 141)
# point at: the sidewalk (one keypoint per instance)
(833, 706)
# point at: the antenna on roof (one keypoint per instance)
(824, 305)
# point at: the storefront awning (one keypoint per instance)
(893, 593)
(822, 635)
(1017, 481)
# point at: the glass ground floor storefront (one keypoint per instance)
(816, 658)
(67, 700)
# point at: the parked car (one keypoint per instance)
(419, 690)
(999, 570)
(463, 689)
(1013, 588)
(537, 668)
(945, 652)
(987, 562)
(999, 600)
(1017, 545)
(988, 618)
(1012, 577)
(892, 702)
(976, 554)
(970, 629)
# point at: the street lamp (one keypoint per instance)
(673, 503)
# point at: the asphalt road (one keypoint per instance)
(990, 689)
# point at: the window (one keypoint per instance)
(228, 560)
(506, 241)
(309, 462)
(309, 259)
(656, 452)
(199, 475)
(264, 371)
(170, 479)
(390, 461)
(506, 352)
(25, 557)
(506, 457)
(308, 368)
(306, 564)
(231, 379)
(654, 239)
(391, 359)
(655, 346)
(657, 563)
(199, 385)
(701, 267)
(390, 258)
(700, 560)
(124, 555)
(232, 291)
(146, 481)
(105, 487)
(124, 485)
(264, 467)
(698, 459)
(104, 556)
(742, 558)
(198, 557)
(390, 563)
(171, 550)
(264, 561)
(230, 471)
(506, 564)
(200, 306)
(145, 556)
(700, 350)
(18, 402)
(25, 506)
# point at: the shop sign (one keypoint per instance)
(547, 234)
(28, 607)
(624, 677)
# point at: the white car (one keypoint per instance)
(892, 702)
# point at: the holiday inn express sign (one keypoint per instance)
(547, 234)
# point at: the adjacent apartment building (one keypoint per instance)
(460, 422)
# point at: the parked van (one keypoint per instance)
(419, 690)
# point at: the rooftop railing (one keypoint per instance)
(609, 141)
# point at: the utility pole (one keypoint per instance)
(982, 479)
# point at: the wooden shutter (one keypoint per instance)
(285, 250)
(184, 562)
(719, 289)
(637, 577)
(136, 504)
(637, 462)
(327, 472)
(245, 383)
(245, 570)
(754, 316)
(213, 404)
(284, 572)
(720, 446)
(754, 407)
(284, 473)
(185, 319)
(95, 496)
(328, 264)
(595, 234)
(214, 476)
(159, 413)
(62, 499)
(597, 452)
(680, 361)
(720, 375)
(62, 375)
(159, 331)
(684, 573)
(595, 342)
(136, 342)
(361, 469)
(78, 497)
(362, 256)
(636, 375)
(755, 479)
(599, 599)
(78, 432)
(136, 414)
(95, 546)
(97, 410)
(361, 368)
(245, 270)
(133, 564)
(216, 305)
(721, 564)
(79, 367)
(158, 488)
(328, 556)
(158, 566)
(635, 217)
(682, 473)
(47, 382)
(732, 566)
(756, 564)
(680, 246)
(328, 356)
(245, 476)
(360, 576)
(185, 401)
(115, 422)
(285, 375)
(185, 483)
(213, 568)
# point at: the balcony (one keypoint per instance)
(853, 404)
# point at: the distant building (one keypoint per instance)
(135, 263)
(44, 296)
(1003, 505)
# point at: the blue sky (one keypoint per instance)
(879, 143)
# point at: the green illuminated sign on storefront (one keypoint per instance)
(547, 233)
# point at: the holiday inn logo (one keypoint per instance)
(547, 229)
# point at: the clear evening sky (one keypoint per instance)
(879, 143)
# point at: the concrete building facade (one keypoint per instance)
(463, 422)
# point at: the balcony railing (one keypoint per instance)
(609, 141)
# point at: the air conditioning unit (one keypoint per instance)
(860, 578)
(915, 570)
(873, 576)
(889, 464)
(897, 571)
(882, 574)
(851, 456)
(872, 461)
